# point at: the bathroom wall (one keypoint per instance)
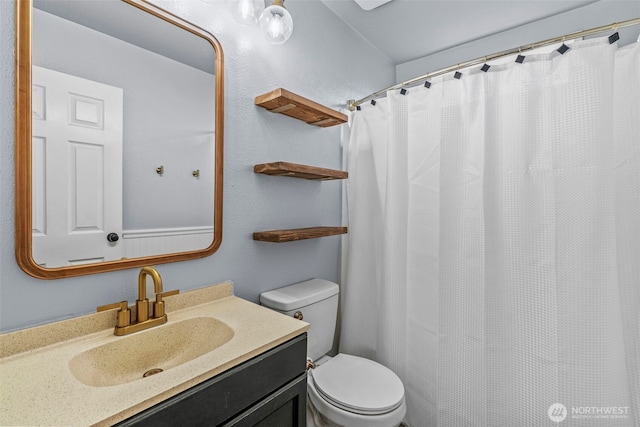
(325, 61)
(603, 12)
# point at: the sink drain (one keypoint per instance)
(151, 372)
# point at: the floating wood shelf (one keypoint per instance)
(295, 170)
(279, 236)
(285, 102)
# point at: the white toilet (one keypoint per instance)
(343, 390)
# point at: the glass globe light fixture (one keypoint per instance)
(247, 12)
(276, 23)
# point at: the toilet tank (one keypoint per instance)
(317, 300)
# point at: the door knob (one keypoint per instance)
(112, 237)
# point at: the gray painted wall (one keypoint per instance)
(590, 16)
(325, 61)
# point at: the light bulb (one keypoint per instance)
(276, 23)
(247, 12)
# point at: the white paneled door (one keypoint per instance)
(77, 169)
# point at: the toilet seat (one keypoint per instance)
(358, 385)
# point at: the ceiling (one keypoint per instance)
(404, 30)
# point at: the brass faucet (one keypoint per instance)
(125, 324)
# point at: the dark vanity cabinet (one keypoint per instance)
(269, 390)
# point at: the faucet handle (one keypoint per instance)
(158, 306)
(124, 314)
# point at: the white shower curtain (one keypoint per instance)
(493, 254)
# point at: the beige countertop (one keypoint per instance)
(37, 386)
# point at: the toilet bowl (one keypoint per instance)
(343, 390)
(355, 392)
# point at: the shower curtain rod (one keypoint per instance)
(483, 59)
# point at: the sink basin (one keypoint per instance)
(152, 351)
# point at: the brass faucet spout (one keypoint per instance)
(142, 282)
(125, 323)
(142, 304)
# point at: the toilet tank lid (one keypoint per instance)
(299, 295)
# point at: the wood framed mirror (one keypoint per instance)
(119, 137)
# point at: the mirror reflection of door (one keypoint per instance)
(168, 115)
(77, 164)
(171, 73)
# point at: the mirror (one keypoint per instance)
(119, 137)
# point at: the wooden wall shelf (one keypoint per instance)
(279, 236)
(285, 102)
(295, 170)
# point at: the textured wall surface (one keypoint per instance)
(590, 16)
(325, 61)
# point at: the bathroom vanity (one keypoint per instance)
(222, 361)
(268, 390)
